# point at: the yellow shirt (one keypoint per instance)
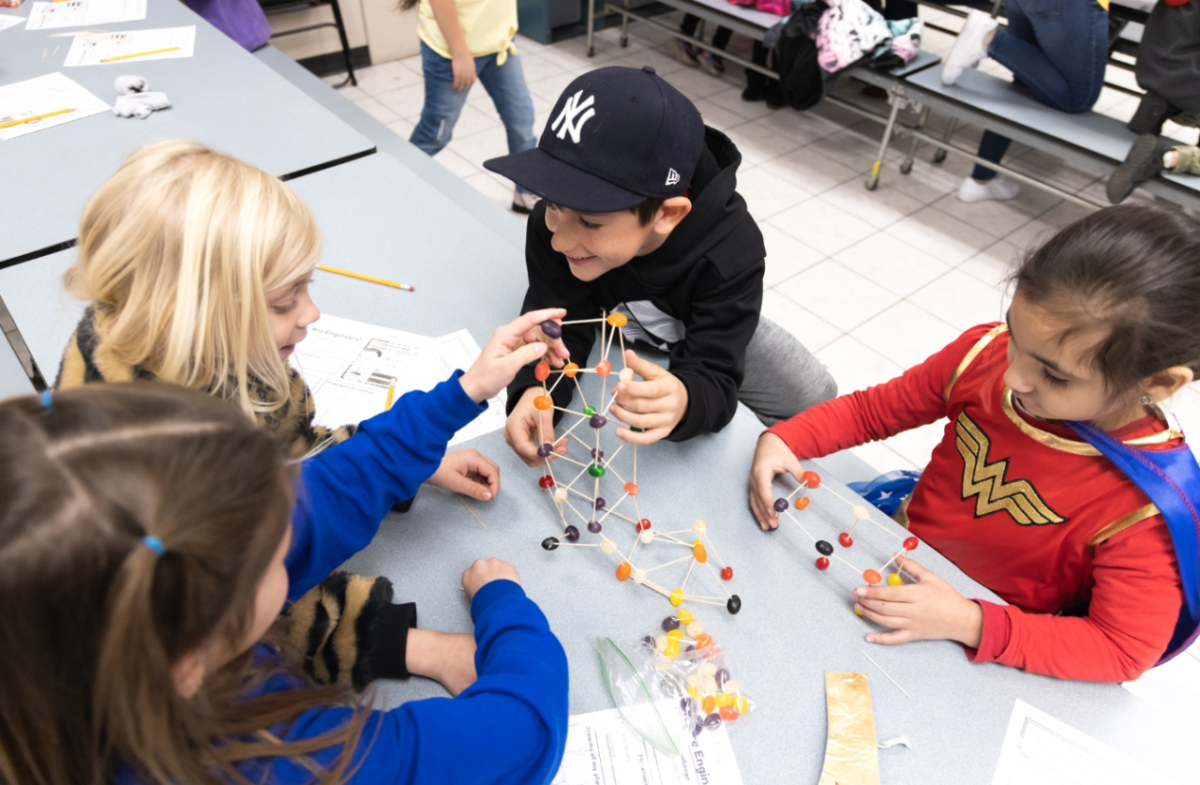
(489, 26)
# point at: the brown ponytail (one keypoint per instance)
(94, 619)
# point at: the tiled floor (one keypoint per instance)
(873, 282)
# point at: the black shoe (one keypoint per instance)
(755, 87)
(1152, 112)
(1143, 162)
(774, 94)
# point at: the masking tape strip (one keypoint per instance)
(851, 755)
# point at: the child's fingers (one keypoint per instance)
(914, 569)
(891, 638)
(522, 357)
(645, 437)
(883, 619)
(761, 497)
(531, 319)
(885, 593)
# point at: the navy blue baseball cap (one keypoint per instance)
(616, 137)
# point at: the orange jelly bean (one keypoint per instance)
(708, 704)
(802, 502)
(699, 552)
(543, 403)
(631, 488)
(570, 369)
(617, 319)
(624, 571)
(703, 640)
(872, 577)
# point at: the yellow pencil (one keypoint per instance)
(35, 118)
(370, 278)
(387, 406)
(140, 54)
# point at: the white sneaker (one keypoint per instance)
(969, 49)
(523, 203)
(997, 188)
(682, 52)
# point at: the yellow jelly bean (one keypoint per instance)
(677, 597)
(858, 610)
(675, 634)
(724, 700)
(742, 705)
(894, 579)
(685, 616)
(672, 649)
(694, 692)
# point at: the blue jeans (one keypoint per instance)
(443, 104)
(1058, 50)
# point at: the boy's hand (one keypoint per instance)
(463, 66)
(446, 657)
(927, 610)
(510, 348)
(771, 457)
(522, 433)
(467, 472)
(655, 405)
(483, 572)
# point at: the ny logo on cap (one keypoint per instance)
(672, 177)
(572, 117)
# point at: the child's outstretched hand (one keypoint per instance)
(656, 405)
(527, 425)
(929, 609)
(510, 348)
(468, 472)
(484, 571)
(771, 457)
(445, 657)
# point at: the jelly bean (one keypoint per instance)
(599, 503)
(545, 481)
(731, 687)
(670, 623)
(811, 479)
(702, 641)
(663, 663)
(910, 543)
(700, 527)
(560, 495)
(638, 576)
(550, 543)
(729, 713)
(872, 577)
(845, 539)
(860, 513)
(646, 537)
(607, 546)
(594, 527)
(724, 700)
(541, 371)
(643, 524)
(824, 548)
(694, 629)
(570, 369)
(588, 411)
(858, 610)
(708, 704)
(597, 455)
(721, 677)
(693, 693)
(603, 368)
(626, 375)
(686, 705)
(544, 450)
(684, 616)
(802, 502)
(677, 597)
(675, 634)
(631, 488)
(660, 643)
(697, 728)
(623, 571)
(781, 505)
(572, 533)
(543, 403)
(894, 579)
(742, 704)
(694, 680)
(734, 605)
(712, 721)
(617, 319)
(596, 470)
(727, 574)
(553, 330)
(648, 643)
(822, 563)
(672, 649)
(699, 553)
(708, 669)
(635, 429)
(598, 421)
(710, 686)
(690, 648)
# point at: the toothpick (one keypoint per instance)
(473, 515)
(885, 673)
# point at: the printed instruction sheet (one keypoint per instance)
(44, 95)
(349, 365)
(81, 13)
(132, 46)
(7, 21)
(602, 749)
(1040, 750)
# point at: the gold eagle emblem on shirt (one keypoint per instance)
(985, 481)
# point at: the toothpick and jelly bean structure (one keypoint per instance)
(811, 481)
(694, 539)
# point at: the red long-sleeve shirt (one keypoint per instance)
(1025, 508)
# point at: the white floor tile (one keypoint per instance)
(406, 102)
(941, 235)
(961, 300)
(811, 169)
(880, 208)
(766, 193)
(822, 225)
(717, 116)
(386, 77)
(731, 99)
(458, 166)
(906, 334)
(377, 110)
(786, 255)
(855, 366)
(403, 128)
(999, 218)
(838, 295)
(893, 264)
(994, 264)
(808, 328)
(758, 144)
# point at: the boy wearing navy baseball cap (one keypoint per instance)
(640, 216)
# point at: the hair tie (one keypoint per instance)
(154, 544)
(47, 399)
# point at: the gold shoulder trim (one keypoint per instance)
(1122, 523)
(1069, 445)
(979, 346)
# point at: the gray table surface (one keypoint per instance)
(13, 380)
(796, 622)
(222, 96)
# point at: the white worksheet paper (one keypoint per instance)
(348, 366)
(1173, 689)
(7, 21)
(81, 13)
(42, 95)
(603, 750)
(1040, 750)
(95, 48)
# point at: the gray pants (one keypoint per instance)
(782, 377)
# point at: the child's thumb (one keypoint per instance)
(527, 354)
(643, 368)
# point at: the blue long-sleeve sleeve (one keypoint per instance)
(510, 726)
(343, 493)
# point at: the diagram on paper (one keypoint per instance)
(47, 94)
(132, 46)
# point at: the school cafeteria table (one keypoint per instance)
(795, 623)
(222, 96)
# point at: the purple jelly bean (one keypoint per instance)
(594, 527)
(597, 454)
(553, 330)
(599, 503)
(721, 676)
(712, 720)
(572, 533)
(670, 623)
(598, 421)
(781, 505)
(545, 450)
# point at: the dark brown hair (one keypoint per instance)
(646, 210)
(1134, 272)
(93, 619)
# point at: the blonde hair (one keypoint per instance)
(180, 249)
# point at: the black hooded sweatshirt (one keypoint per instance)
(698, 295)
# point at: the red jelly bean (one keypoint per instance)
(910, 544)
(845, 539)
(811, 479)
(643, 524)
(727, 573)
(872, 577)
(822, 563)
(541, 371)
(545, 481)
(729, 713)
(603, 368)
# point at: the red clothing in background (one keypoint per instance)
(1026, 508)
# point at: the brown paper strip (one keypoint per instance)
(851, 754)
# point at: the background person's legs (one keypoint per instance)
(443, 104)
(506, 86)
(782, 377)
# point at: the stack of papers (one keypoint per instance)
(81, 13)
(133, 46)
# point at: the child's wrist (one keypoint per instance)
(971, 625)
